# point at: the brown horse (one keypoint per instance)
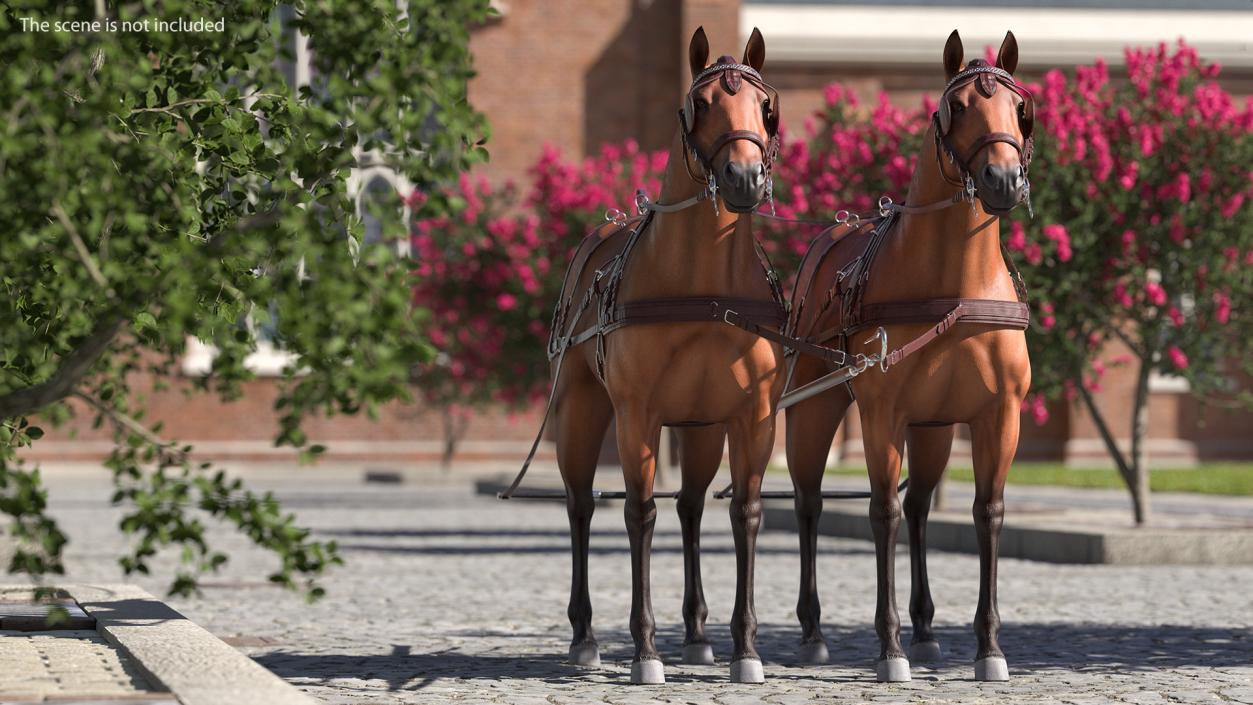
(905, 276)
(678, 276)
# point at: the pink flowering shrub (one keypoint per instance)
(1142, 230)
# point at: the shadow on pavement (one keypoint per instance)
(1090, 648)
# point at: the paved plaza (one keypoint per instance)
(447, 596)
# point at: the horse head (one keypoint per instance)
(986, 132)
(730, 121)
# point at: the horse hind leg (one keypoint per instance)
(929, 450)
(700, 452)
(811, 427)
(581, 418)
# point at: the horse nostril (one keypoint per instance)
(729, 172)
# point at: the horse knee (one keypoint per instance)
(989, 514)
(746, 514)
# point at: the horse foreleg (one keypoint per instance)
(929, 450)
(811, 427)
(580, 423)
(751, 442)
(994, 442)
(638, 440)
(700, 452)
(883, 438)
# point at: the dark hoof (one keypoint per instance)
(698, 654)
(925, 651)
(648, 672)
(892, 670)
(585, 654)
(813, 653)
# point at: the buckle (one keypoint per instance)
(726, 317)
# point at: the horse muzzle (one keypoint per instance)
(742, 185)
(1001, 187)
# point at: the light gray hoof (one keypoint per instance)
(992, 668)
(648, 672)
(892, 670)
(813, 653)
(585, 654)
(747, 670)
(698, 654)
(925, 651)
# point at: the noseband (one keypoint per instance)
(732, 75)
(988, 77)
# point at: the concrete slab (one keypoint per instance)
(1048, 536)
(174, 654)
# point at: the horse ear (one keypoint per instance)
(1007, 57)
(755, 50)
(698, 51)
(952, 55)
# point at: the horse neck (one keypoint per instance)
(695, 251)
(937, 254)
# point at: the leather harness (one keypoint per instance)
(771, 319)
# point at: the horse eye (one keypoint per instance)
(701, 104)
(956, 107)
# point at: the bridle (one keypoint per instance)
(733, 76)
(988, 78)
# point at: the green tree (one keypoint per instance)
(162, 185)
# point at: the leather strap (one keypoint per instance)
(1005, 314)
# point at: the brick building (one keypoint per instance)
(580, 73)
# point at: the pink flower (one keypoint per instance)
(1058, 234)
(1155, 294)
(1017, 241)
(1222, 307)
(506, 302)
(1176, 316)
(1177, 358)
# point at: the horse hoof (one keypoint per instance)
(992, 668)
(648, 672)
(813, 653)
(698, 654)
(892, 670)
(747, 670)
(925, 651)
(585, 654)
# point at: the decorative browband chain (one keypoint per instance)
(719, 68)
(983, 68)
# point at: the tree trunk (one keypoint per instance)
(453, 431)
(1134, 470)
(1139, 460)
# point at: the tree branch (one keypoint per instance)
(80, 247)
(130, 423)
(73, 366)
(1103, 429)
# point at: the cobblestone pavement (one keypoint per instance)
(450, 597)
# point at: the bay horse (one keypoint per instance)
(936, 259)
(648, 346)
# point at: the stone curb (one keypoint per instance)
(951, 531)
(179, 655)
